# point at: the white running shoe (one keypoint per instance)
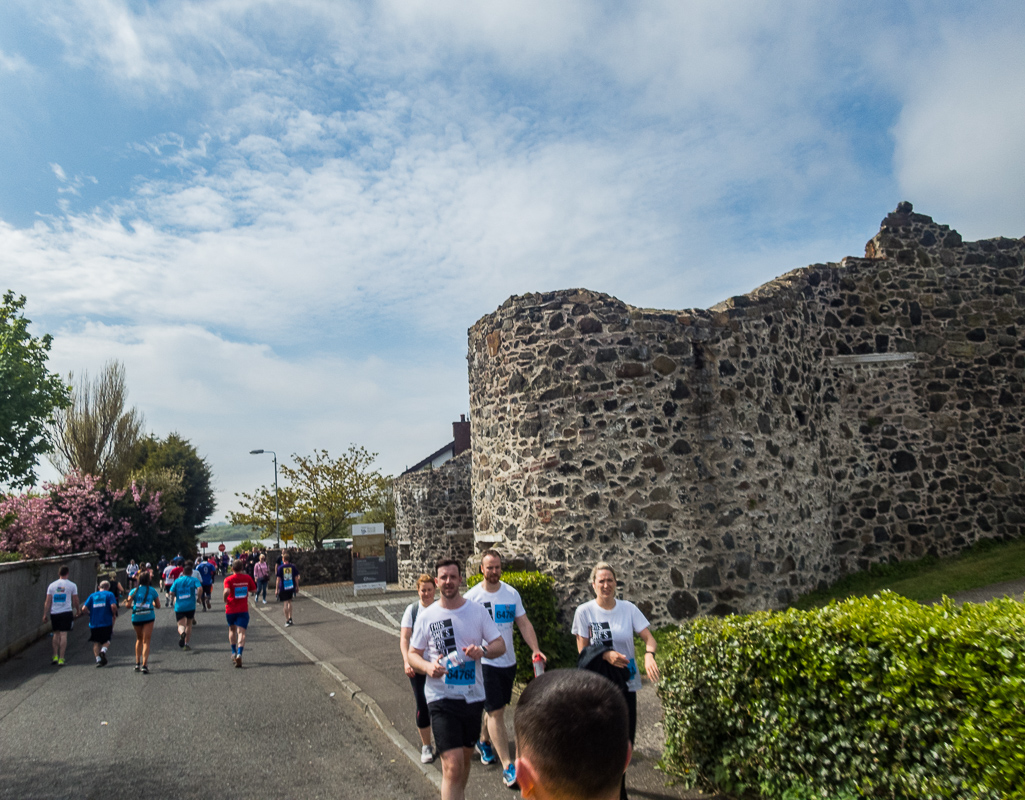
(426, 754)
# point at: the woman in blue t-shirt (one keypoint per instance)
(144, 600)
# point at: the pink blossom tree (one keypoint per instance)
(80, 514)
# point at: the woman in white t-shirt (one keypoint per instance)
(612, 624)
(425, 586)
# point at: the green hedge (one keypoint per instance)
(875, 697)
(538, 594)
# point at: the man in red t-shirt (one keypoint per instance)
(237, 588)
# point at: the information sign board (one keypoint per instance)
(368, 558)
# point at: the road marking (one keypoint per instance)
(340, 609)
(388, 617)
(364, 701)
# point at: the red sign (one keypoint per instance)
(221, 547)
(204, 545)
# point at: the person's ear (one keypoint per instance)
(526, 776)
(629, 755)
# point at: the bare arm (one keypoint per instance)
(496, 648)
(433, 669)
(529, 636)
(614, 658)
(46, 606)
(650, 646)
(405, 634)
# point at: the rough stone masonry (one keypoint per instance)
(726, 460)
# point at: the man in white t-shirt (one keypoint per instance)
(446, 647)
(62, 606)
(506, 608)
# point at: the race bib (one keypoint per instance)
(143, 606)
(288, 584)
(183, 595)
(241, 591)
(60, 598)
(504, 613)
(462, 674)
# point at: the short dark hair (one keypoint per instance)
(188, 568)
(286, 556)
(572, 726)
(447, 562)
(63, 572)
(237, 566)
(489, 552)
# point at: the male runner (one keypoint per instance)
(101, 606)
(572, 741)
(62, 606)
(287, 585)
(237, 588)
(184, 590)
(446, 646)
(206, 572)
(505, 607)
(168, 579)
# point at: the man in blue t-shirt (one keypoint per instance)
(183, 590)
(102, 609)
(206, 572)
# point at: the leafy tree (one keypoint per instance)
(29, 395)
(80, 514)
(187, 507)
(383, 507)
(321, 499)
(245, 546)
(96, 434)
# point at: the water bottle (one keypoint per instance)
(539, 665)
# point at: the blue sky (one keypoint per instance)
(283, 217)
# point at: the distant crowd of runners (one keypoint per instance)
(184, 584)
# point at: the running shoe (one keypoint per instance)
(238, 661)
(487, 754)
(103, 659)
(181, 640)
(187, 648)
(138, 667)
(426, 754)
(55, 660)
(60, 662)
(509, 777)
(288, 624)
(145, 670)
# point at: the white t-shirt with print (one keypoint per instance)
(61, 591)
(505, 607)
(407, 615)
(614, 629)
(439, 631)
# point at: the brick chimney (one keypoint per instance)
(461, 434)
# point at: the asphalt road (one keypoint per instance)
(194, 727)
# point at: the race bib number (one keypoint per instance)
(632, 666)
(60, 598)
(143, 606)
(184, 595)
(504, 613)
(461, 674)
(241, 591)
(288, 584)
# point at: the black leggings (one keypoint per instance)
(423, 714)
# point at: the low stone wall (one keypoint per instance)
(316, 566)
(23, 595)
(433, 518)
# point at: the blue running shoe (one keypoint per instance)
(509, 777)
(487, 754)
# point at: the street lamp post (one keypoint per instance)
(277, 520)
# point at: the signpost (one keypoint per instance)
(221, 547)
(204, 545)
(368, 561)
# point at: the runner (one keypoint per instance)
(143, 599)
(446, 647)
(425, 586)
(206, 572)
(237, 589)
(184, 590)
(287, 584)
(132, 572)
(62, 606)
(168, 580)
(505, 607)
(101, 606)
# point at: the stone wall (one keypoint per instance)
(433, 518)
(315, 566)
(729, 459)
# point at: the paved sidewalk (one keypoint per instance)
(358, 638)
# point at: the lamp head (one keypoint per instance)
(255, 452)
